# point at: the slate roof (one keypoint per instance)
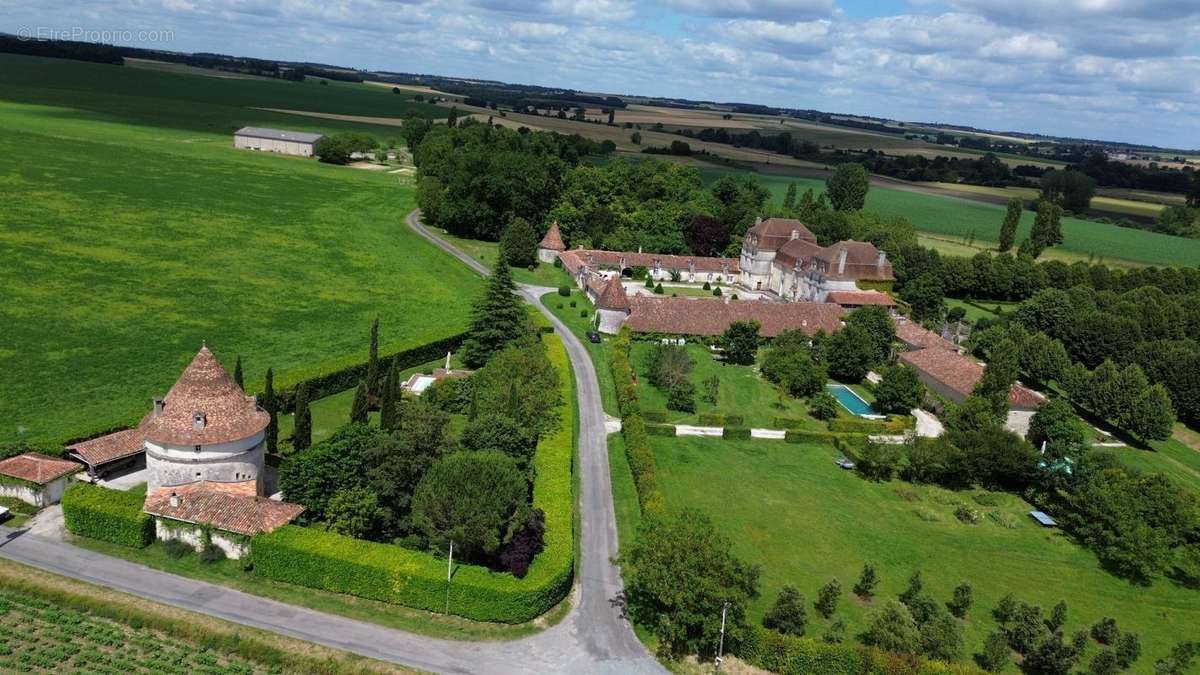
(223, 510)
(553, 239)
(205, 387)
(711, 316)
(859, 298)
(278, 134)
(960, 374)
(862, 259)
(109, 448)
(37, 468)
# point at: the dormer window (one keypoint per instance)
(199, 420)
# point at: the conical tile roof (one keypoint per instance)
(613, 296)
(205, 407)
(553, 239)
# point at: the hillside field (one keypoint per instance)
(789, 509)
(947, 217)
(133, 230)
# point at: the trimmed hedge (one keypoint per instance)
(788, 422)
(660, 429)
(633, 428)
(792, 655)
(319, 559)
(656, 416)
(712, 420)
(348, 377)
(896, 424)
(735, 420)
(802, 436)
(738, 433)
(114, 516)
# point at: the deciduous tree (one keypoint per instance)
(740, 342)
(788, 615)
(847, 187)
(899, 390)
(474, 499)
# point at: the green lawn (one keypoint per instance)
(789, 509)
(133, 230)
(948, 216)
(742, 392)
(544, 274)
(580, 325)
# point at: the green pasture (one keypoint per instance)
(486, 252)
(803, 520)
(128, 240)
(960, 218)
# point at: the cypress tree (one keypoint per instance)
(496, 319)
(387, 400)
(373, 361)
(272, 407)
(789, 201)
(302, 430)
(1012, 218)
(359, 412)
(237, 373)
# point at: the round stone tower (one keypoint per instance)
(205, 429)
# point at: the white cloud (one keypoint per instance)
(1023, 47)
(805, 37)
(784, 10)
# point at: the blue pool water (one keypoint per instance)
(850, 400)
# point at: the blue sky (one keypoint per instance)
(1126, 70)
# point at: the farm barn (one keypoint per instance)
(276, 140)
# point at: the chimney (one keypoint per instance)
(158, 405)
(841, 261)
(174, 501)
(881, 260)
(795, 234)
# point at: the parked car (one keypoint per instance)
(593, 336)
(845, 463)
(5, 514)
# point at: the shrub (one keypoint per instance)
(891, 426)
(177, 549)
(574, 303)
(712, 420)
(682, 396)
(328, 561)
(583, 313)
(1105, 631)
(564, 291)
(967, 515)
(735, 433)
(654, 415)
(707, 286)
(823, 406)
(114, 516)
(735, 420)
(716, 292)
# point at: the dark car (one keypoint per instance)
(593, 336)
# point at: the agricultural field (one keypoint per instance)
(947, 217)
(40, 637)
(134, 231)
(789, 509)
(1117, 206)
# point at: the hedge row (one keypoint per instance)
(656, 416)
(719, 420)
(802, 436)
(792, 655)
(633, 428)
(108, 515)
(896, 424)
(660, 429)
(788, 422)
(348, 377)
(736, 433)
(319, 559)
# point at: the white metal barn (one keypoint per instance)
(276, 140)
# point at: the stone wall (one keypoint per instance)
(193, 535)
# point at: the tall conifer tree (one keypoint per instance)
(373, 361)
(272, 407)
(359, 411)
(1008, 229)
(496, 319)
(237, 373)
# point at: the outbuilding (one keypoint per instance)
(35, 478)
(299, 143)
(194, 513)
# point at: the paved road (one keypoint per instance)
(592, 638)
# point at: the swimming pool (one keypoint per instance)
(851, 401)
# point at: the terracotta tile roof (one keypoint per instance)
(859, 298)
(711, 316)
(37, 468)
(613, 296)
(862, 259)
(595, 258)
(773, 233)
(222, 509)
(205, 387)
(960, 374)
(108, 448)
(553, 239)
(571, 262)
(915, 336)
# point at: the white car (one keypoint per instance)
(845, 463)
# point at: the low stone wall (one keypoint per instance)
(193, 535)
